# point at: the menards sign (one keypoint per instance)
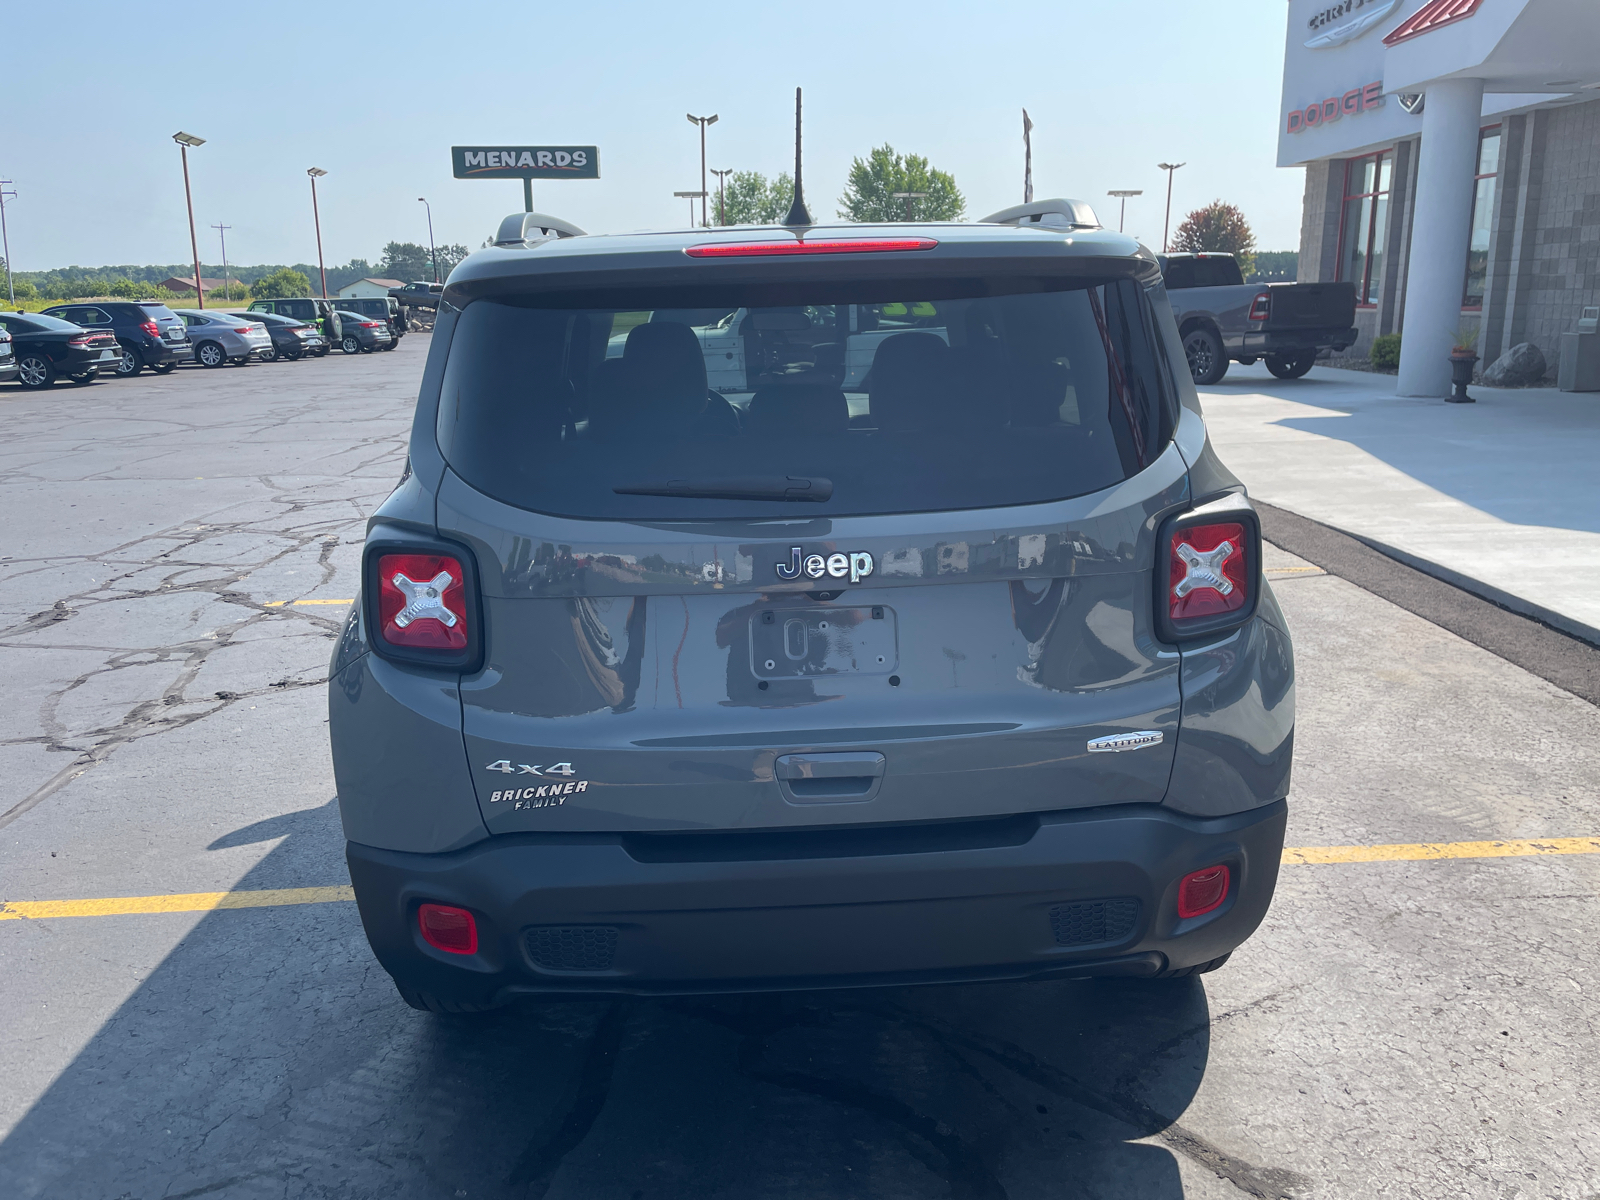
(526, 162)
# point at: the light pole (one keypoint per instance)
(226, 282)
(5, 240)
(702, 122)
(1123, 194)
(909, 198)
(185, 140)
(1166, 222)
(317, 173)
(434, 254)
(722, 194)
(691, 197)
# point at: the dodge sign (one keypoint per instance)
(526, 162)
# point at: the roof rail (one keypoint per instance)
(1057, 214)
(531, 228)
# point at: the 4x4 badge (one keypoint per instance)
(856, 566)
(505, 768)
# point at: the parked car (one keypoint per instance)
(224, 337)
(378, 308)
(8, 358)
(363, 335)
(48, 348)
(963, 671)
(313, 311)
(420, 294)
(149, 333)
(291, 339)
(1221, 317)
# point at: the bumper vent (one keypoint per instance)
(572, 947)
(1089, 922)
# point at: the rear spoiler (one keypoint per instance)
(531, 228)
(1056, 214)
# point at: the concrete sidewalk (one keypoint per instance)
(1501, 497)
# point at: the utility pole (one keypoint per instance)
(702, 122)
(5, 239)
(722, 194)
(185, 140)
(1123, 194)
(1166, 223)
(317, 173)
(227, 284)
(910, 198)
(431, 251)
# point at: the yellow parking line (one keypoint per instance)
(282, 603)
(120, 906)
(1423, 851)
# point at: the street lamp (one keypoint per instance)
(722, 194)
(691, 197)
(909, 198)
(434, 254)
(702, 122)
(5, 239)
(1123, 194)
(317, 173)
(185, 140)
(1166, 222)
(227, 284)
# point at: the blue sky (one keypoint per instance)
(376, 93)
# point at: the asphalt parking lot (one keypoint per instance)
(1417, 1017)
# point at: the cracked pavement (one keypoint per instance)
(1405, 1029)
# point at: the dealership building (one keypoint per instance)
(1452, 157)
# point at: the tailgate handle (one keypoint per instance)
(830, 766)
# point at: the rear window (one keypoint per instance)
(158, 312)
(972, 394)
(1221, 271)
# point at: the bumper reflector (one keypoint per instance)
(444, 927)
(1202, 891)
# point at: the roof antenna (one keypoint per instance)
(797, 211)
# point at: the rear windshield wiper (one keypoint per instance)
(750, 487)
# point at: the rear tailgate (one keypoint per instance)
(1311, 306)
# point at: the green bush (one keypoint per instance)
(1386, 352)
(282, 283)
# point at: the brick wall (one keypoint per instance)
(1565, 272)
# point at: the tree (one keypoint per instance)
(406, 261)
(283, 282)
(449, 259)
(750, 198)
(1220, 228)
(869, 192)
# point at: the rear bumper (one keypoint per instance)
(758, 911)
(1294, 341)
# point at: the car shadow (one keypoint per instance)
(269, 1055)
(1522, 456)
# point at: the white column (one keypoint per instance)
(1440, 231)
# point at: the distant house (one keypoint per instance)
(365, 288)
(179, 284)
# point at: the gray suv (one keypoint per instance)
(959, 666)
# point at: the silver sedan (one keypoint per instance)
(223, 337)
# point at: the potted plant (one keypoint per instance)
(1463, 356)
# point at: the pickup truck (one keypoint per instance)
(1221, 317)
(420, 294)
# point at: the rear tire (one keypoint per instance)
(1292, 368)
(84, 377)
(1207, 361)
(130, 364)
(271, 355)
(164, 368)
(209, 354)
(35, 371)
(428, 1002)
(350, 344)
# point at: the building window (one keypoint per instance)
(1366, 214)
(1482, 214)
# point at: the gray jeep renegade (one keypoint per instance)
(770, 608)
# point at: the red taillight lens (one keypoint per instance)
(1208, 572)
(151, 328)
(830, 246)
(369, 325)
(82, 339)
(422, 601)
(451, 929)
(1202, 891)
(1261, 306)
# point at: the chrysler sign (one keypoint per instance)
(526, 162)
